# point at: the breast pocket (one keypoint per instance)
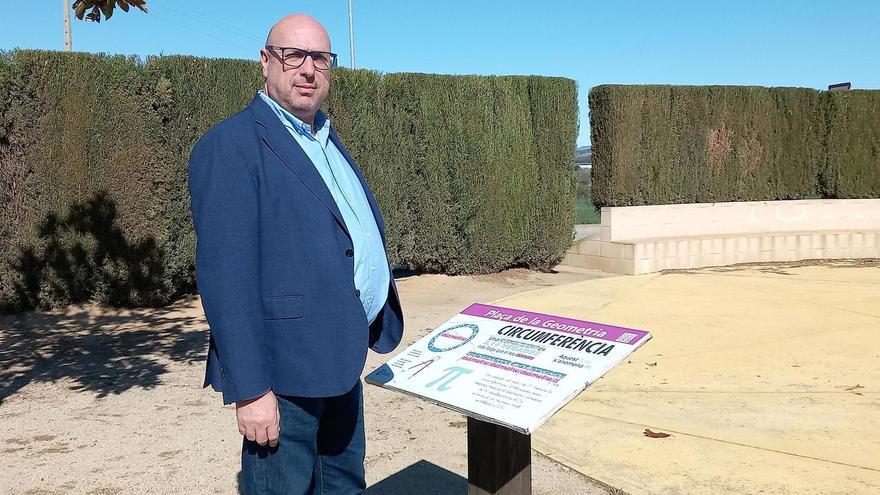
(282, 307)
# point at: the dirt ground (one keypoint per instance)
(106, 401)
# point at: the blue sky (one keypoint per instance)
(770, 43)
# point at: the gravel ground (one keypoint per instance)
(105, 401)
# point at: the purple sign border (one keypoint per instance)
(612, 332)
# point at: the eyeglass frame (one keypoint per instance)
(308, 53)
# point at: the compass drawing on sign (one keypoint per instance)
(423, 365)
(453, 337)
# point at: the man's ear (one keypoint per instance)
(264, 62)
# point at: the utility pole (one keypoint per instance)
(68, 42)
(351, 33)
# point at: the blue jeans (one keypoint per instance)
(320, 450)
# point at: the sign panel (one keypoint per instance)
(507, 366)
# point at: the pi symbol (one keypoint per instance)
(447, 378)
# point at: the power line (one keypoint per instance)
(210, 21)
(202, 14)
(190, 28)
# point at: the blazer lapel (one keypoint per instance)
(367, 191)
(285, 147)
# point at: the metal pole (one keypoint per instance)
(68, 42)
(351, 33)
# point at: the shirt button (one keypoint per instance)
(357, 293)
(349, 253)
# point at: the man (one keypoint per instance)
(293, 274)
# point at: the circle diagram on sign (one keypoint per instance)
(453, 337)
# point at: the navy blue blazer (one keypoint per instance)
(275, 266)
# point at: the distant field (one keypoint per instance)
(586, 212)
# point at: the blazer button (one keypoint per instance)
(357, 293)
(349, 253)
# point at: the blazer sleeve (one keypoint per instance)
(225, 210)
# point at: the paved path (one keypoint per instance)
(766, 377)
(585, 230)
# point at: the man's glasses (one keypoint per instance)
(293, 58)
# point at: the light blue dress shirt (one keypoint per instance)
(371, 273)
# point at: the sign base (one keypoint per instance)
(499, 460)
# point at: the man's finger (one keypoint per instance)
(251, 434)
(272, 433)
(262, 437)
(242, 429)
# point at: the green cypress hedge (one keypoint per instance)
(81, 201)
(661, 144)
(490, 158)
(852, 167)
(473, 173)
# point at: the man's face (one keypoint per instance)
(300, 91)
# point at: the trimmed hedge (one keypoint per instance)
(696, 144)
(486, 186)
(852, 168)
(81, 199)
(473, 173)
(690, 144)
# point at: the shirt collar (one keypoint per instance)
(291, 121)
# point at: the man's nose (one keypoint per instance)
(307, 68)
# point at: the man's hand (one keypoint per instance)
(259, 419)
